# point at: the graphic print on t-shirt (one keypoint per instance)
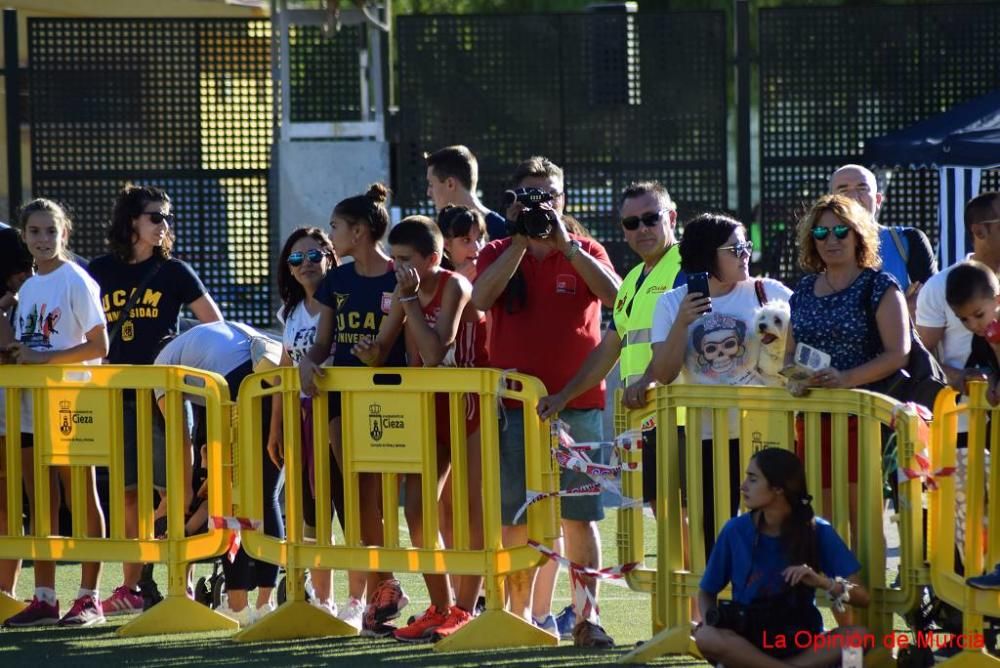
(38, 326)
(719, 344)
(146, 307)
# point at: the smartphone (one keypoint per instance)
(698, 282)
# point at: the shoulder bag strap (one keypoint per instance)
(899, 245)
(758, 287)
(116, 330)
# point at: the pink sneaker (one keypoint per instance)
(122, 602)
(38, 613)
(85, 612)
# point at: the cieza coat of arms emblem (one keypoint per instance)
(375, 416)
(65, 418)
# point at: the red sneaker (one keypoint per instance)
(122, 602)
(423, 628)
(457, 618)
(86, 611)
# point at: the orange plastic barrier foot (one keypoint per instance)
(295, 619)
(675, 640)
(177, 614)
(10, 606)
(494, 629)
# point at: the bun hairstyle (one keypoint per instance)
(783, 470)
(368, 209)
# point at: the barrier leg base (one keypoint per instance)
(675, 640)
(971, 659)
(10, 606)
(295, 619)
(177, 614)
(494, 629)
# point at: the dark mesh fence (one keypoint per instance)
(185, 104)
(832, 78)
(610, 98)
(324, 74)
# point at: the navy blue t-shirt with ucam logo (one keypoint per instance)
(360, 303)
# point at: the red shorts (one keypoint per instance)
(443, 423)
(825, 431)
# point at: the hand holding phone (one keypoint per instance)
(698, 283)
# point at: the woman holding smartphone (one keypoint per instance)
(703, 333)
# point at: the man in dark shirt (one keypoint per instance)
(452, 176)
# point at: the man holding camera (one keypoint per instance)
(544, 288)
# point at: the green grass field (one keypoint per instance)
(625, 614)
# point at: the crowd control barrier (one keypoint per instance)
(78, 423)
(772, 412)
(981, 550)
(388, 429)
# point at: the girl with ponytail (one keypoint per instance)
(776, 556)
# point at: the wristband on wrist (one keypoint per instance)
(574, 249)
(408, 299)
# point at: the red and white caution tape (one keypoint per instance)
(534, 497)
(923, 471)
(610, 573)
(236, 524)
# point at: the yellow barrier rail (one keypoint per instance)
(767, 417)
(388, 423)
(78, 424)
(982, 542)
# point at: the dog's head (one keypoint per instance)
(771, 321)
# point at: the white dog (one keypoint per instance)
(770, 324)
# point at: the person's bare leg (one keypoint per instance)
(45, 571)
(583, 545)
(131, 572)
(467, 587)
(521, 583)
(437, 585)
(9, 568)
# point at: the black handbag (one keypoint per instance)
(922, 377)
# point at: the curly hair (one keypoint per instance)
(849, 213)
(129, 205)
(290, 290)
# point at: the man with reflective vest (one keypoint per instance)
(648, 219)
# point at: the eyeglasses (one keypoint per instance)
(651, 219)
(739, 249)
(840, 231)
(158, 218)
(314, 255)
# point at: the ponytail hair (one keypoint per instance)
(368, 209)
(784, 470)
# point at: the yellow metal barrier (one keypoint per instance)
(772, 413)
(388, 423)
(980, 544)
(78, 424)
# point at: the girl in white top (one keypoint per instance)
(59, 321)
(306, 258)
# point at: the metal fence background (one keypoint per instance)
(185, 104)
(832, 77)
(609, 98)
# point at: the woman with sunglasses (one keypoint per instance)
(141, 239)
(708, 339)
(838, 245)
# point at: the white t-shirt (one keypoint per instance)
(721, 346)
(55, 311)
(25, 407)
(299, 334)
(956, 341)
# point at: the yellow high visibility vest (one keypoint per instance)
(636, 326)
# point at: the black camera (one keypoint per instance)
(534, 220)
(728, 615)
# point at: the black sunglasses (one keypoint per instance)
(298, 257)
(651, 219)
(840, 231)
(159, 218)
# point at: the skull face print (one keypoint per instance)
(720, 344)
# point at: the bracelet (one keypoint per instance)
(408, 299)
(837, 602)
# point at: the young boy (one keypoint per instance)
(973, 293)
(442, 329)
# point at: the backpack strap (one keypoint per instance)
(132, 301)
(758, 287)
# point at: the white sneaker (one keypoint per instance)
(245, 617)
(263, 610)
(353, 613)
(327, 606)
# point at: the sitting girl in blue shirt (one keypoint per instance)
(776, 556)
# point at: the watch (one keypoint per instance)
(574, 249)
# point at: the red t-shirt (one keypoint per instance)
(470, 341)
(558, 325)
